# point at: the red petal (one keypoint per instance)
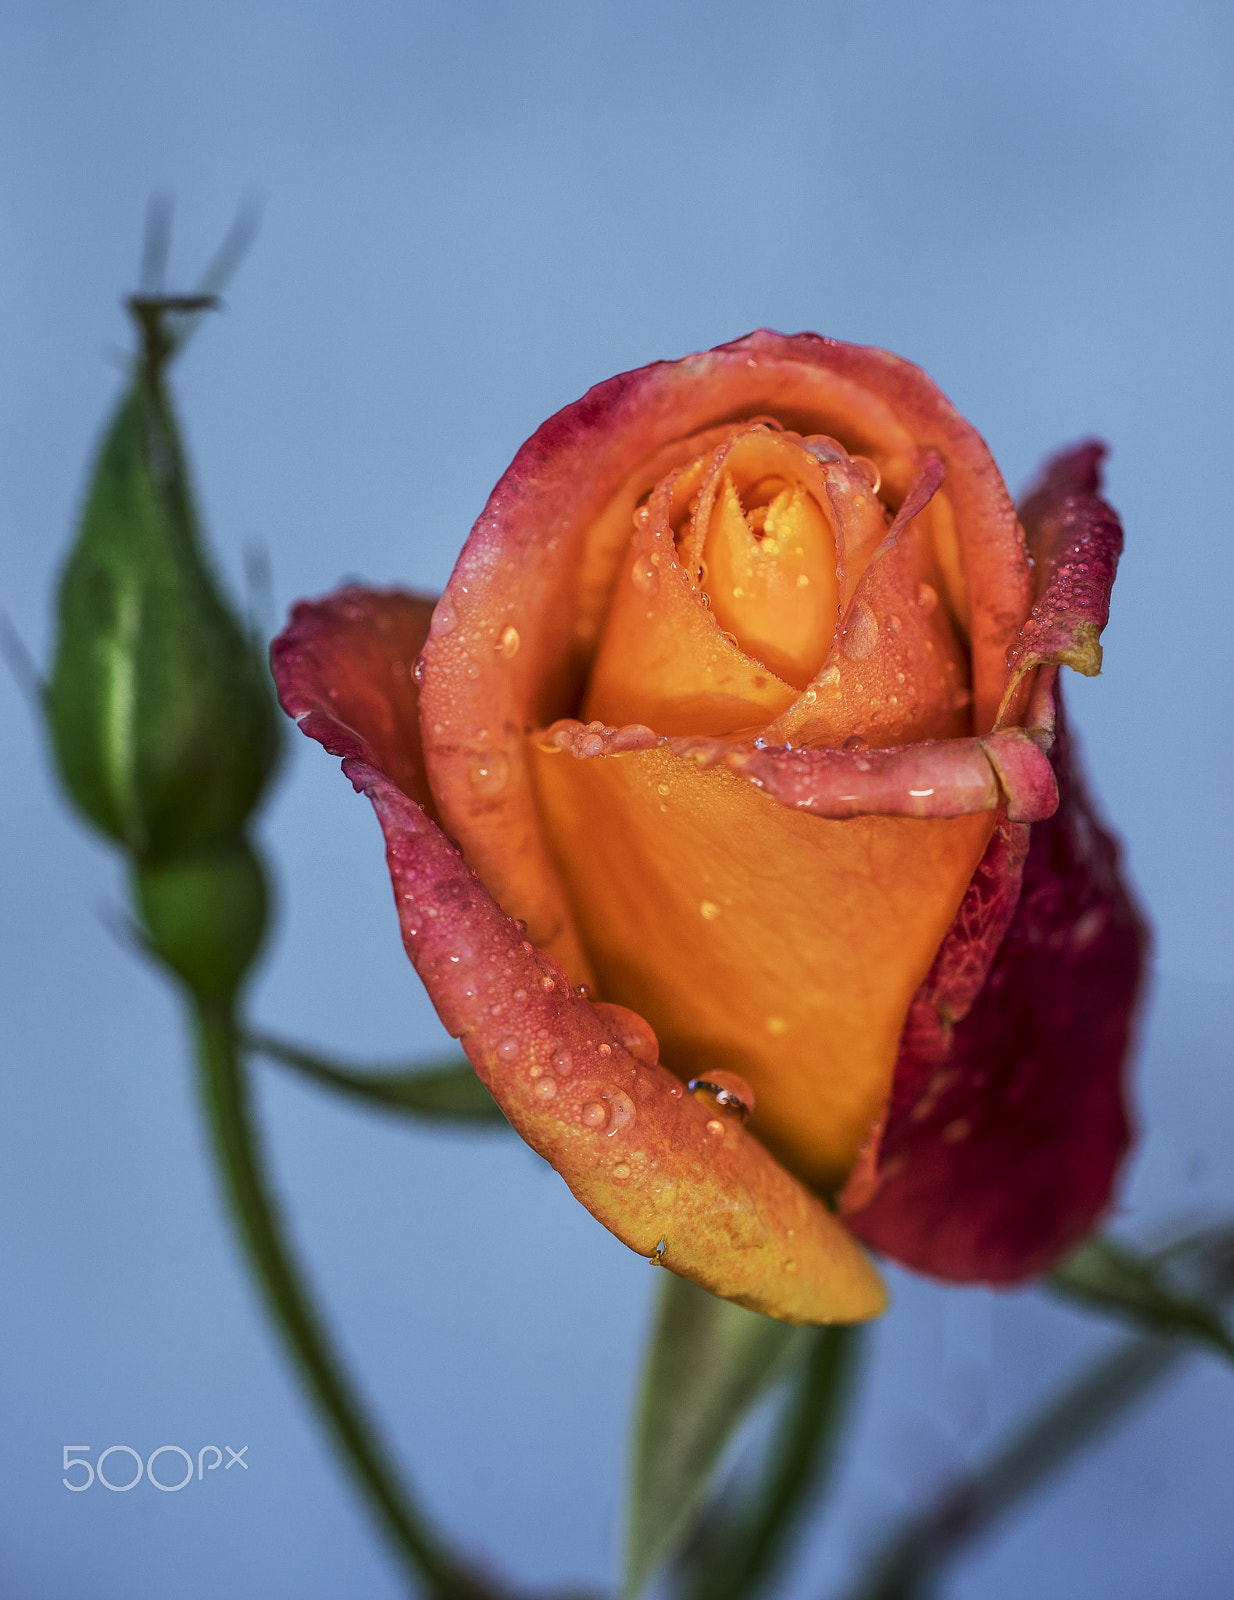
(1076, 540)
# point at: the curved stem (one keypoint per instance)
(238, 1153)
(913, 1559)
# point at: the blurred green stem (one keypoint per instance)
(224, 1088)
(914, 1558)
(744, 1539)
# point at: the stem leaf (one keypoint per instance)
(446, 1092)
(1103, 1275)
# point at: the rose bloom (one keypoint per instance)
(733, 826)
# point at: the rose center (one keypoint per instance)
(766, 555)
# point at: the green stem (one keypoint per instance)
(742, 1544)
(238, 1153)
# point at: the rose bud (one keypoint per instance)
(158, 707)
(734, 830)
(160, 714)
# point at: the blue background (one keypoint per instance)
(474, 211)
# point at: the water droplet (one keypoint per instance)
(644, 576)
(563, 1063)
(509, 641)
(860, 633)
(728, 1090)
(709, 910)
(621, 1112)
(730, 639)
(869, 471)
(418, 668)
(675, 1091)
(520, 994)
(662, 788)
(715, 1127)
(545, 1089)
(547, 984)
(606, 1049)
(489, 773)
(593, 1115)
(584, 991)
(704, 572)
(621, 1170)
(927, 597)
(444, 619)
(508, 1049)
(642, 516)
(472, 669)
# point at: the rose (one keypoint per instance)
(741, 699)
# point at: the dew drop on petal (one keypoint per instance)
(593, 1115)
(509, 641)
(621, 1112)
(563, 1063)
(508, 1049)
(418, 668)
(727, 1090)
(860, 633)
(644, 576)
(715, 1127)
(621, 1170)
(545, 1089)
(709, 910)
(927, 597)
(489, 773)
(444, 619)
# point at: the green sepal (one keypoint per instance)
(204, 915)
(159, 704)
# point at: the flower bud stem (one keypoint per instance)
(238, 1155)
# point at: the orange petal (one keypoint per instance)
(672, 1178)
(754, 937)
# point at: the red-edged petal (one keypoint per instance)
(671, 1175)
(1006, 1121)
(539, 567)
(345, 669)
